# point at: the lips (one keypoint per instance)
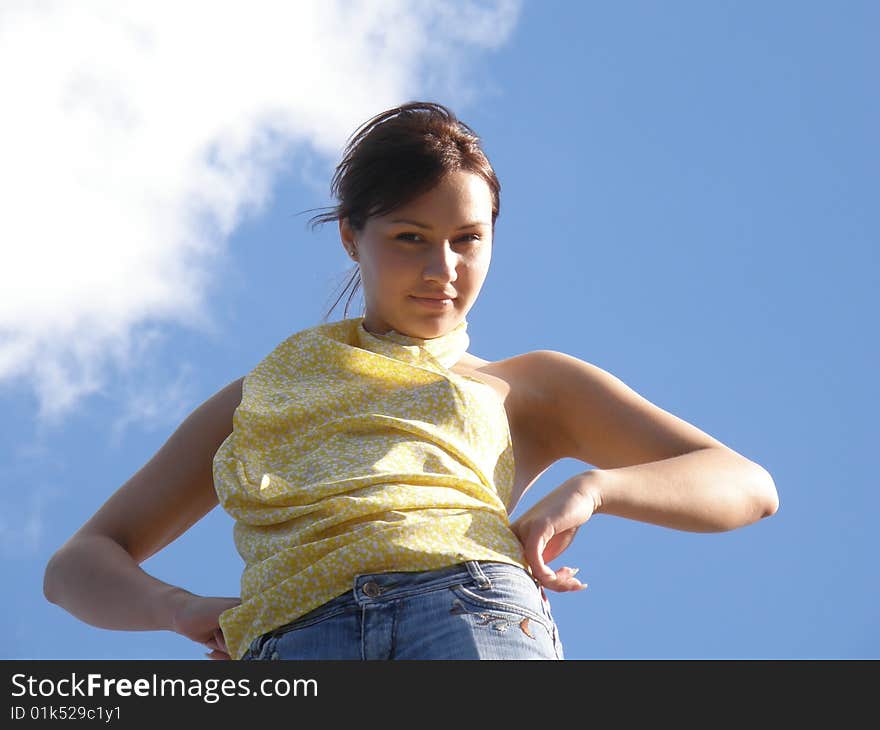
(433, 302)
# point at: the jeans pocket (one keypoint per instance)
(504, 598)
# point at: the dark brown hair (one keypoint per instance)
(397, 156)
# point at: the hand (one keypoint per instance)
(550, 525)
(197, 618)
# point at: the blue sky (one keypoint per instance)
(688, 201)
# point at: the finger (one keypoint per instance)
(217, 655)
(572, 583)
(220, 640)
(566, 581)
(534, 551)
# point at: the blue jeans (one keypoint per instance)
(473, 610)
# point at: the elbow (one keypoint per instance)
(50, 578)
(771, 504)
(57, 576)
(763, 499)
(755, 499)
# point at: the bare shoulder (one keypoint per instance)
(595, 417)
(513, 363)
(521, 366)
(224, 402)
(517, 381)
(510, 376)
(211, 421)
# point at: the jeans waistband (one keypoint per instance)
(378, 587)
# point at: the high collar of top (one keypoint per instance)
(446, 349)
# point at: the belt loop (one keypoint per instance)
(477, 574)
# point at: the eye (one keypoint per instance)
(465, 237)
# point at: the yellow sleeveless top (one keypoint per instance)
(355, 453)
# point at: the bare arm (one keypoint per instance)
(707, 490)
(96, 574)
(651, 466)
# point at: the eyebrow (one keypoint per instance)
(428, 228)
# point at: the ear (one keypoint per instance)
(346, 233)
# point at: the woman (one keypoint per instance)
(371, 463)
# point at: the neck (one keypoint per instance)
(446, 349)
(386, 329)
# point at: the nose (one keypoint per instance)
(441, 265)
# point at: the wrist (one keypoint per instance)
(173, 606)
(590, 485)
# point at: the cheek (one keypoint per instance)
(386, 271)
(478, 266)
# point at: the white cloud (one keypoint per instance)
(136, 136)
(155, 404)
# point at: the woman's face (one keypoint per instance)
(439, 245)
